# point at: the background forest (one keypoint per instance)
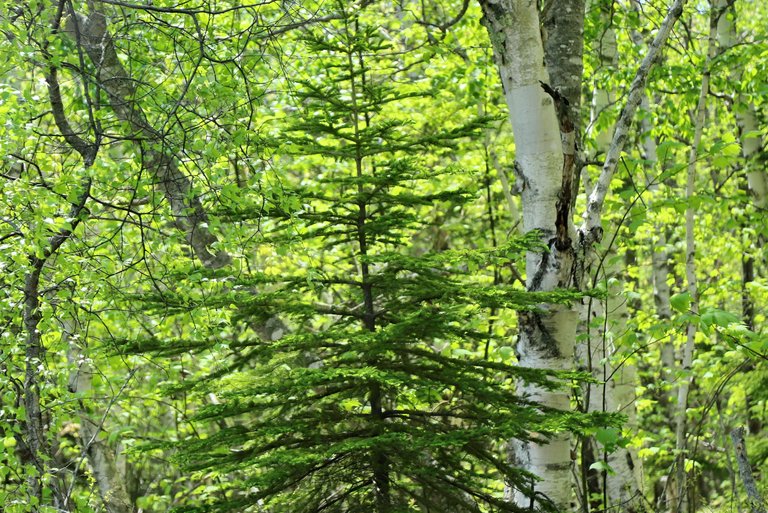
(383, 256)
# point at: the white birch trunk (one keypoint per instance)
(546, 339)
(751, 141)
(751, 149)
(101, 458)
(624, 486)
(545, 169)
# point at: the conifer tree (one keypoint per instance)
(381, 397)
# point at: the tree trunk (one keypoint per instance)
(546, 338)
(101, 457)
(545, 160)
(90, 32)
(690, 274)
(746, 116)
(751, 150)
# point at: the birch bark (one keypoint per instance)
(546, 339)
(545, 166)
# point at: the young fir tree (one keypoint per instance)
(380, 397)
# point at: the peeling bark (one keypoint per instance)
(546, 338)
(562, 24)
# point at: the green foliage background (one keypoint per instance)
(256, 105)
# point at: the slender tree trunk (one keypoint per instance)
(755, 181)
(660, 273)
(744, 110)
(660, 248)
(91, 34)
(690, 274)
(36, 447)
(101, 458)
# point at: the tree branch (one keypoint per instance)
(591, 229)
(91, 33)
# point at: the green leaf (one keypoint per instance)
(717, 317)
(607, 436)
(506, 352)
(602, 466)
(681, 302)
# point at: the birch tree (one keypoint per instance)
(752, 149)
(602, 349)
(545, 160)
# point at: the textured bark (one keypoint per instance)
(547, 338)
(36, 450)
(756, 502)
(563, 37)
(90, 32)
(35, 447)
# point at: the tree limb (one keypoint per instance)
(591, 230)
(90, 32)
